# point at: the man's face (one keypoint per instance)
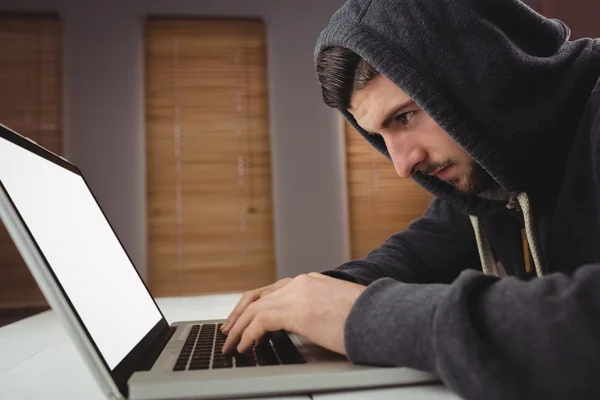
(415, 142)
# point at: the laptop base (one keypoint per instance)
(323, 371)
(272, 380)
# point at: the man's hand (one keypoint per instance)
(249, 298)
(313, 305)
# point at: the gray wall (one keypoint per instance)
(104, 118)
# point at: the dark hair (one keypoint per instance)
(341, 72)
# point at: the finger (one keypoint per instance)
(233, 337)
(242, 299)
(277, 285)
(246, 299)
(267, 293)
(264, 321)
(257, 294)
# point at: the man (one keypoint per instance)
(496, 289)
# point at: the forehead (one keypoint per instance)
(370, 105)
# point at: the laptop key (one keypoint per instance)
(223, 363)
(286, 350)
(245, 360)
(180, 366)
(265, 355)
(197, 366)
(291, 358)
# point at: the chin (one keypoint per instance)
(465, 185)
(471, 186)
(464, 188)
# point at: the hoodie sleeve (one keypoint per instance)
(434, 248)
(486, 337)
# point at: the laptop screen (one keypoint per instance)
(82, 250)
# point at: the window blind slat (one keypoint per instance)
(208, 156)
(31, 104)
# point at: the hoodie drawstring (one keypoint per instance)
(531, 238)
(488, 264)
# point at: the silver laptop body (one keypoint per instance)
(91, 284)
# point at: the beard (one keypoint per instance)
(476, 181)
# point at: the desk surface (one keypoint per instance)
(38, 360)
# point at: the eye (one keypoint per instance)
(404, 117)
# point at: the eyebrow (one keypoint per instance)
(392, 113)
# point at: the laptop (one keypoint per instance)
(129, 347)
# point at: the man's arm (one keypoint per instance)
(487, 337)
(434, 248)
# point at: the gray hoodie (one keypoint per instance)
(522, 99)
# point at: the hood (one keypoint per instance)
(503, 81)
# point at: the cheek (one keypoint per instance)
(452, 150)
(464, 171)
(435, 139)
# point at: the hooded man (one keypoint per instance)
(496, 289)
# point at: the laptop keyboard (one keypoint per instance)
(203, 350)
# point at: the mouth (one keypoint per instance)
(443, 173)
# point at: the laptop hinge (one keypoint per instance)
(150, 357)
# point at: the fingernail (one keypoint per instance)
(224, 326)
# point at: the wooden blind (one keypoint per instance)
(380, 203)
(208, 156)
(31, 104)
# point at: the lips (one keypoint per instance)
(437, 171)
(443, 173)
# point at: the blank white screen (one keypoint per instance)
(81, 249)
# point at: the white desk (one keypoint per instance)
(38, 360)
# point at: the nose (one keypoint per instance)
(405, 153)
